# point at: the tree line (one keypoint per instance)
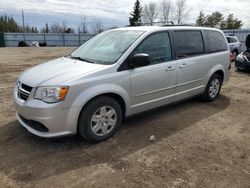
(217, 20)
(162, 12)
(8, 24)
(177, 12)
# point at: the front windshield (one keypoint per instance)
(106, 48)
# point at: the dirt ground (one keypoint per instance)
(197, 144)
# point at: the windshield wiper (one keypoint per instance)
(81, 59)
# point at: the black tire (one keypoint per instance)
(84, 122)
(206, 95)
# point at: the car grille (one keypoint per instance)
(24, 91)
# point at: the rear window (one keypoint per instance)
(233, 40)
(188, 43)
(215, 41)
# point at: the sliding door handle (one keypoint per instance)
(170, 68)
(183, 65)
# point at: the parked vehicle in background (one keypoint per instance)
(38, 44)
(119, 73)
(235, 46)
(243, 59)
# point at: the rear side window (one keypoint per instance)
(188, 43)
(215, 41)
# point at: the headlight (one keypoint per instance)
(51, 94)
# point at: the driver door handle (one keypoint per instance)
(170, 68)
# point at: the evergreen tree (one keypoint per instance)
(232, 23)
(136, 14)
(216, 19)
(201, 19)
(8, 24)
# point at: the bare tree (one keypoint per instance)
(165, 10)
(83, 24)
(182, 11)
(61, 28)
(150, 13)
(97, 26)
(56, 28)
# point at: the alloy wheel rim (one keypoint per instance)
(103, 120)
(214, 88)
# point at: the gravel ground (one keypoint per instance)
(196, 144)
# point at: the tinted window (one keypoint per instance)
(157, 46)
(188, 43)
(215, 41)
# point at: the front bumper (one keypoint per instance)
(57, 119)
(243, 65)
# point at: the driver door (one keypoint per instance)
(155, 84)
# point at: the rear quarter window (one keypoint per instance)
(215, 41)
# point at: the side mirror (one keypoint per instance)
(139, 60)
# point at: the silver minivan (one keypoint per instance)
(119, 73)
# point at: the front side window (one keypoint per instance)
(106, 48)
(215, 41)
(157, 46)
(188, 43)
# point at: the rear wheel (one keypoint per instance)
(213, 88)
(100, 119)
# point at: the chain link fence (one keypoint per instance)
(69, 39)
(241, 34)
(52, 39)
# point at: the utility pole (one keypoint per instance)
(23, 26)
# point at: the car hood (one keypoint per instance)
(57, 71)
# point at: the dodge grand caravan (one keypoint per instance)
(120, 73)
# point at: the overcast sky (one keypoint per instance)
(112, 13)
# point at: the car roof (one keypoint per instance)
(168, 27)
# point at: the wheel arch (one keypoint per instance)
(221, 73)
(113, 95)
(217, 69)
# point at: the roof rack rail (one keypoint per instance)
(180, 25)
(160, 23)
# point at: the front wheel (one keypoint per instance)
(213, 88)
(100, 119)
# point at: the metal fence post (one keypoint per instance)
(63, 40)
(2, 40)
(79, 39)
(44, 37)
